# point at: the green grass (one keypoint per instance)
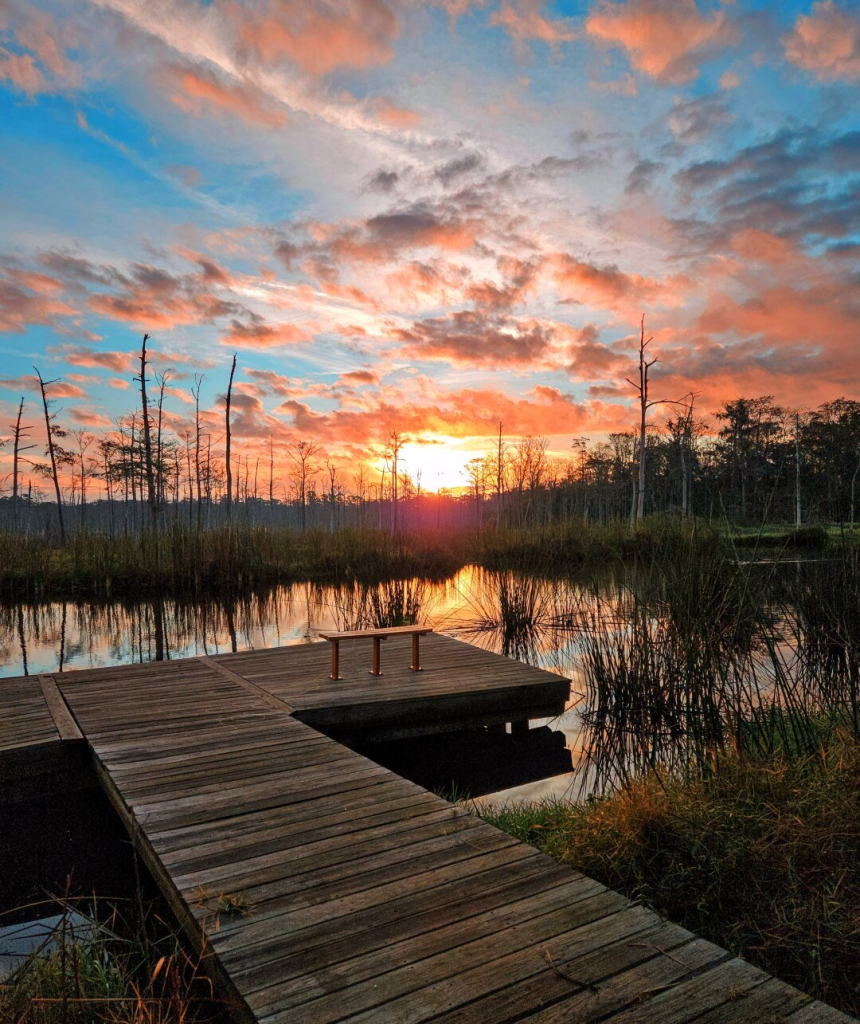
(761, 856)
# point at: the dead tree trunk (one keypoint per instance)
(227, 456)
(17, 448)
(52, 454)
(642, 391)
(151, 495)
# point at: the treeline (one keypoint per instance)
(754, 462)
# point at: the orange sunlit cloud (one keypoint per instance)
(427, 218)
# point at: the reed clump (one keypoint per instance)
(97, 963)
(761, 856)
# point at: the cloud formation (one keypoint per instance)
(826, 42)
(666, 39)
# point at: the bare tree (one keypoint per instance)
(500, 477)
(52, 431)
(360, 481)
(332, 478)
(161, 379)
(152, 497)
(271, 471)
(645, 403)
(227, 454)
(396, 441)
(19, 432)
(195, 391)
(84, 440)
(302, 454)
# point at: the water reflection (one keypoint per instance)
(668, 665)
(475, 763)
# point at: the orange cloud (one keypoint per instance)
(826, 42)
(153, 297)
(21, 305)
(57, 389)
(119, 362)
(320, 35)
(394, 115)
(468, 338)
(666, 39)
(88, 418)
(754, 244)
(43, 66)
(524, 21)
(256, 333)
(610, 288)
(200, 92)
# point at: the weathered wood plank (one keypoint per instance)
(371, 899)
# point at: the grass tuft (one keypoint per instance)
(762, 857)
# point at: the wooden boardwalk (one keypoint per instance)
(371, 899)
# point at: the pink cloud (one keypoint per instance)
(89, 418)
(257, 333)
(666, 39)
(826, 42)
(470, 338)
(21, 71)
(754, 244)
(119, 362)
(525, 21)
(43, 65)
(57, 389)
(21, 305)
(199, 92)
(610, 288)
(319, 36)
(394, 115)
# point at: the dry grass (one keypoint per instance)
(102, 967)
(762, 856)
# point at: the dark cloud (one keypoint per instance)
(457, 167)
(692, 121)
(472, 338)
(382, 181)
(641, 177)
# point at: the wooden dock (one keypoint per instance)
(370, 898)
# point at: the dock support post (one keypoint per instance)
(416, 655)
(335, 659)
(377, 656)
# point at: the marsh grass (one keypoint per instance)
(103, 962)
(185, 562)
(761, 855)
(514, 616)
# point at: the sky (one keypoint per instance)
(429, 217)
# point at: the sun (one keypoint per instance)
(438, 462)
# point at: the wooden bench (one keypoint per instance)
(377, 636)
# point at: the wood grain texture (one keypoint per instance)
(369, 898)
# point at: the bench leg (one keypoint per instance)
(416, 659)
(335, 659)
(377, 658)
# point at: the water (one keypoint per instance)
(661, 662)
